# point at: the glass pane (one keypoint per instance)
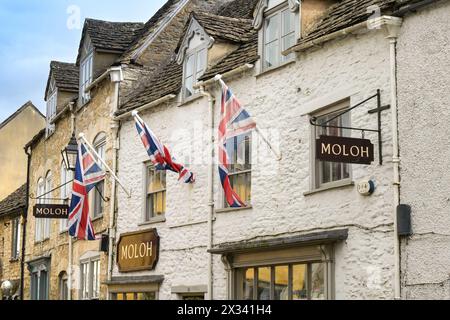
(288, 22)
(288, 42)
(119, 296)
(159, 200)
(272, 54)
(282, 283)
(190, 66)
(189, 86)
(248, 288)
(272, 29)
(318, 281)
(149, 211)
(299, 278)
(326, 172)
(147, 296)
(201, 62)
(337, 171)
(264, 280)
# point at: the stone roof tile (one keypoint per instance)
(15, 201)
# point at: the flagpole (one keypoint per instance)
(271, 147)
(69, 276)
(93, 153)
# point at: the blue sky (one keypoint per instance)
(34, 32)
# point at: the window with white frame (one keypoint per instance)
(279, 32)
(39, 223)
(155, 192)
(63, 286)
(99, 191)
(327, 174)
(86, 71)
(90, 279)
(51, 109)
(240, 168)
(16, 239)
(194, 67)
(48, 200)
(66, 189)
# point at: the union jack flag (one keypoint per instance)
(235, 121)
(159, 154)
(87, 174)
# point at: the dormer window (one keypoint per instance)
(86, 67)
(193, 54)
(194, 67)
(279, 25)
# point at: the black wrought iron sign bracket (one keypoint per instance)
(378, 111)
(43, 196)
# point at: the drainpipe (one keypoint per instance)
(116, 78)
(24, 227)
(393, 31)
(211, 102)
(70, 269)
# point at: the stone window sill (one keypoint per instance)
(281, 66)
(336, 185)
(194, 97)
(14, 260)
(228, 210)
(97, 218)
(42, 241)
(153, 221)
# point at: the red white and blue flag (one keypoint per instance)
(235, 121)
(159, 154)
(87, 174)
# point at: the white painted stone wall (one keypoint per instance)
(424, 117)
(357, 66)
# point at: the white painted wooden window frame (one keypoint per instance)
(315, 168)
(269, 13)
(196, 73)
(90, 263)
(148, 165)
(86, 73)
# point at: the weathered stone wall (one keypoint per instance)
(424, 114)
(9, 269)
(92, 119)
(353, 68)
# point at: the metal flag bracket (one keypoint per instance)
(363, 131)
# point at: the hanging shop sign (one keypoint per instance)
(51, 211)
(138, 251)
(345, 150)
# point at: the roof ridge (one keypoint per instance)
(221, 16)
(118, 22)
(29, 103)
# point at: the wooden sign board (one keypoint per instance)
(138, 251)
(51, 211)
(344, 150)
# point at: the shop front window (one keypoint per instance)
(282, 282)
(134, 296)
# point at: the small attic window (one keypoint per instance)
(194, 67)
(86, 67)
(279, 25)
(51, 107)
(193, 54)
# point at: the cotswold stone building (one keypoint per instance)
(312, 229)
(12, 217)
